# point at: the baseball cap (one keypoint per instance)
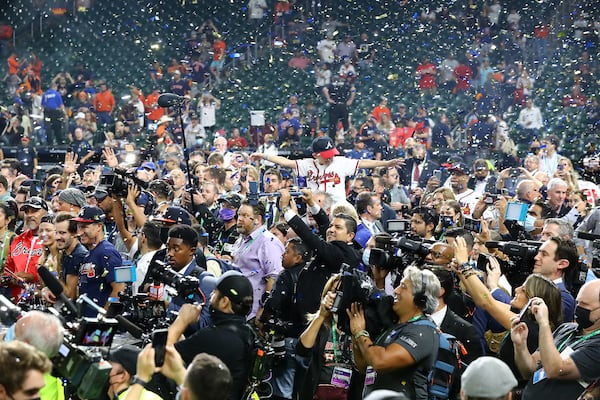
(80, 115)
(460, 167)
(487, 377)
(126, 355)
(235, 286)
(90, 214)
(174, 215)
(72, 196)
(149, 165)
(232, 198)
(324, 147)
(35, 202)
(99, 195)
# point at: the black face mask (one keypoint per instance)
(419, 160)
(582, 317)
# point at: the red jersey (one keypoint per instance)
(463, 76)
(25, 251)
(219, 48)
(427, 74)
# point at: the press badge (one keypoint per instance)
(539, 375)
(341, 377)
(370, 376)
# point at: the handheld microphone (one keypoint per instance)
(56, 288)
(170, 99)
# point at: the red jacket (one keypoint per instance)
(25, 251)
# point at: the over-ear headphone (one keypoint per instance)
(420, 298)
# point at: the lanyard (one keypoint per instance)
(334, 336)
(589, 335)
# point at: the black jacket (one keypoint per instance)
(329, 257)
(465, 332)
(406, 171)
(282, 306)
(228, 339)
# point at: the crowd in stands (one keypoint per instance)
(267, 216)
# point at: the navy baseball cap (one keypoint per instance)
(174, 215)
(324, 147)
(89, 215)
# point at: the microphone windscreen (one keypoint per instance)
(168, 99)
(50, 281)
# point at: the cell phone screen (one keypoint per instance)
(159, 343)
(524, 309)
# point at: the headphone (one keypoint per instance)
(420, 298)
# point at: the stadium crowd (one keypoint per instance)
(491, 238)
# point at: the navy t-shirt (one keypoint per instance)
(97, 272)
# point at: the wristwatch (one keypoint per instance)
(464, 267)
(139, 381)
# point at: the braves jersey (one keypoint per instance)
(327, 178)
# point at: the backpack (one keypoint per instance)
(444, 377)
(224, 264)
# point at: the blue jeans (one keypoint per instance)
(285, 372)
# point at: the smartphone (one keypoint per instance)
(524, 309)
(472, 225)
(438, 174)
(159, 343)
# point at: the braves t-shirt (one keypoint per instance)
(97, 272)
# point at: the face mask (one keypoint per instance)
(226, 214)
(530, 223)
(9, 336)
(419, 160)
(446, 221)
(582, 317)
(366, 256)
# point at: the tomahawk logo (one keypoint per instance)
(328, 146)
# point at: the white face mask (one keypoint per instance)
(530, 223)
(366, 256)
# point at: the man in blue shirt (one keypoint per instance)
(55, 115)
(97, 272)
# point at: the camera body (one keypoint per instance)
(357, 286)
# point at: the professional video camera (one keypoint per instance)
(397, 251)
(144, 310)
(117, 182)
(185, 286)
(357, 286)
(79, 359)
(520, 259)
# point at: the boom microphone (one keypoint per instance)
(170, 99)
(130, 327)
(56, 288)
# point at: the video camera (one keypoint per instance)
(185, 286)
(357, 286)
(397, 252)
(79, 359)
(117, 182)
(520, 259)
